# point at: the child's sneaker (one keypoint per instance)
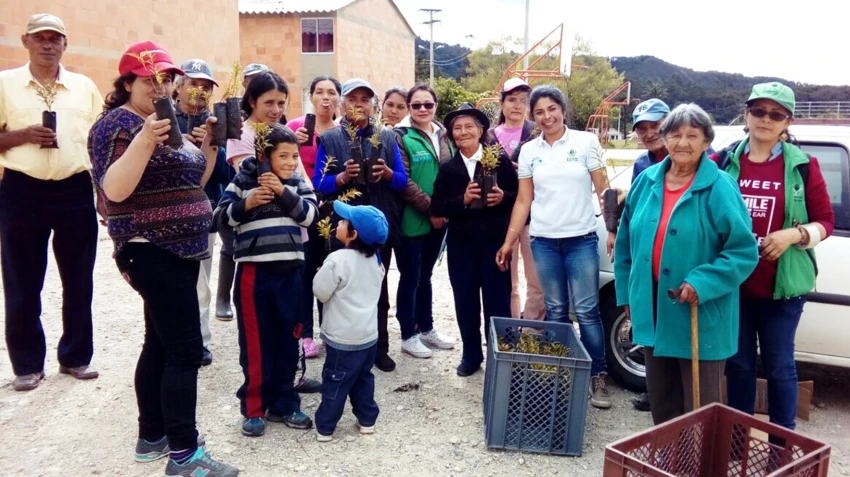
(151, 451)
(311, 350)
(366, 429)
(200, 464)
(324, 438)
(296, 420)
(253, 426)
(415, 348)
(432, 338)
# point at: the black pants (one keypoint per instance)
(167, 372)
(384, 304)
(315, 252)
(268, 307)
(30, 209)
(473, 274)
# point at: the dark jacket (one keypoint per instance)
(385, 196)
(489, 223)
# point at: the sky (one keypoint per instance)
(803, 41)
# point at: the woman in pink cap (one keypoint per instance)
(159, 219)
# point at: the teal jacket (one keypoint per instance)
(709, 244)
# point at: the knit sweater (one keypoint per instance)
(349, 285)
(168, 208)
(271, 232)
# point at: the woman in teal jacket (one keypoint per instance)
(685, 227)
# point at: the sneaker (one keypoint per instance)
(311, 350)
(253, 426)
(641, 403)
(434, 339)
(152, 451)
(324, 438)
(308, 386)
(415, 348)
(200, 464)
(296, 420)
(599, 397)
(384, 363)
(366, 429)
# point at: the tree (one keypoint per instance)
(592, 80)
(487, 65)
(451, 95)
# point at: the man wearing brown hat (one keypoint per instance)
(47, 189)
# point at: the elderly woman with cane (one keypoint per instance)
(701, 252)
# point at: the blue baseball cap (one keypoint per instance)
(369, 222)
(649, 110)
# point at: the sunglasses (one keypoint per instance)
(774, 115)
(428, 106)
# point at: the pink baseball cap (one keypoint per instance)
(146, 57)
(513, 84)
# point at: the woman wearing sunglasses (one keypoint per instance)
(791, 213)
(424, 145)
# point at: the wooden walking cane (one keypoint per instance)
(674, 295)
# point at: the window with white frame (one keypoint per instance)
(317, 35)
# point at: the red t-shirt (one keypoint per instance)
(668, 203)
(763, 188)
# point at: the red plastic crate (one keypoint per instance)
(716, 441)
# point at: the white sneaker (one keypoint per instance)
(415, 348)
(432, 338)
(324, 438)
(365, 429)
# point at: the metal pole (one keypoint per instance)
(431, 22)
(527, 10)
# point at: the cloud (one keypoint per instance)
(798, 41)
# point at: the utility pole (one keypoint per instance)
(527, 11)
(431, 22)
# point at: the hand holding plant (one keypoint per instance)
(473, 192)
(352, 170)
(380, 171)
(271, 181)
(495, 196)
(258, 197)
(156, 130)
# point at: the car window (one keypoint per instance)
(835, 165)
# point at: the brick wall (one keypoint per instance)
(374, 43)
(100, 30)
(275, 40)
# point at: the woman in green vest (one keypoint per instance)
(791, 212)
(424, 144)
(684, 228)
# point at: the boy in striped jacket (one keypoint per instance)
(267, 204)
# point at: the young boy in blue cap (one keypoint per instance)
(349, 285)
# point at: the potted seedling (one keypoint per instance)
(486, 179)
(199, 102)
(163, 105)
(261, 143)
(47, 93)
(228, 112)
(324, 225)
(377, 148)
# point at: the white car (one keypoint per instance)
(824, 331)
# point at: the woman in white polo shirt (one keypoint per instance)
(558, 172)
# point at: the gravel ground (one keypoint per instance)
(74, 428)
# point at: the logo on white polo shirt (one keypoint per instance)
(571, 156)
(536, 162)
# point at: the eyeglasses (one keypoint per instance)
(774, 115)
(428, 106)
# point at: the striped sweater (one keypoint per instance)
(272, 232)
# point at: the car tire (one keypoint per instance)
(627, 370)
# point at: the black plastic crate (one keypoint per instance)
(535, 403)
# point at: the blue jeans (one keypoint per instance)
(772, 324)
(571, 266)
(347, 374)
(416, 258)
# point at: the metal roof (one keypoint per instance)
(291, 6)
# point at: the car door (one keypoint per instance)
(824, 330)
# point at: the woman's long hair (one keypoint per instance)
(260, 85)
(119, 95)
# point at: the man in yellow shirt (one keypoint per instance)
(47, 189)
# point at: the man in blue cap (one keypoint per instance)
(646, 122)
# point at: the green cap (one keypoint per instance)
(775, 92)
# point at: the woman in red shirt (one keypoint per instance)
(791, 212)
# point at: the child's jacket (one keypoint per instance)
(349, 284)
(271, 232)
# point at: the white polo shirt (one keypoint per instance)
(563, 191)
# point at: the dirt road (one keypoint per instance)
(73, 428)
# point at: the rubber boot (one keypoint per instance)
(226, 270)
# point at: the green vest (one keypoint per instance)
(424, 165)
(796, 270)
